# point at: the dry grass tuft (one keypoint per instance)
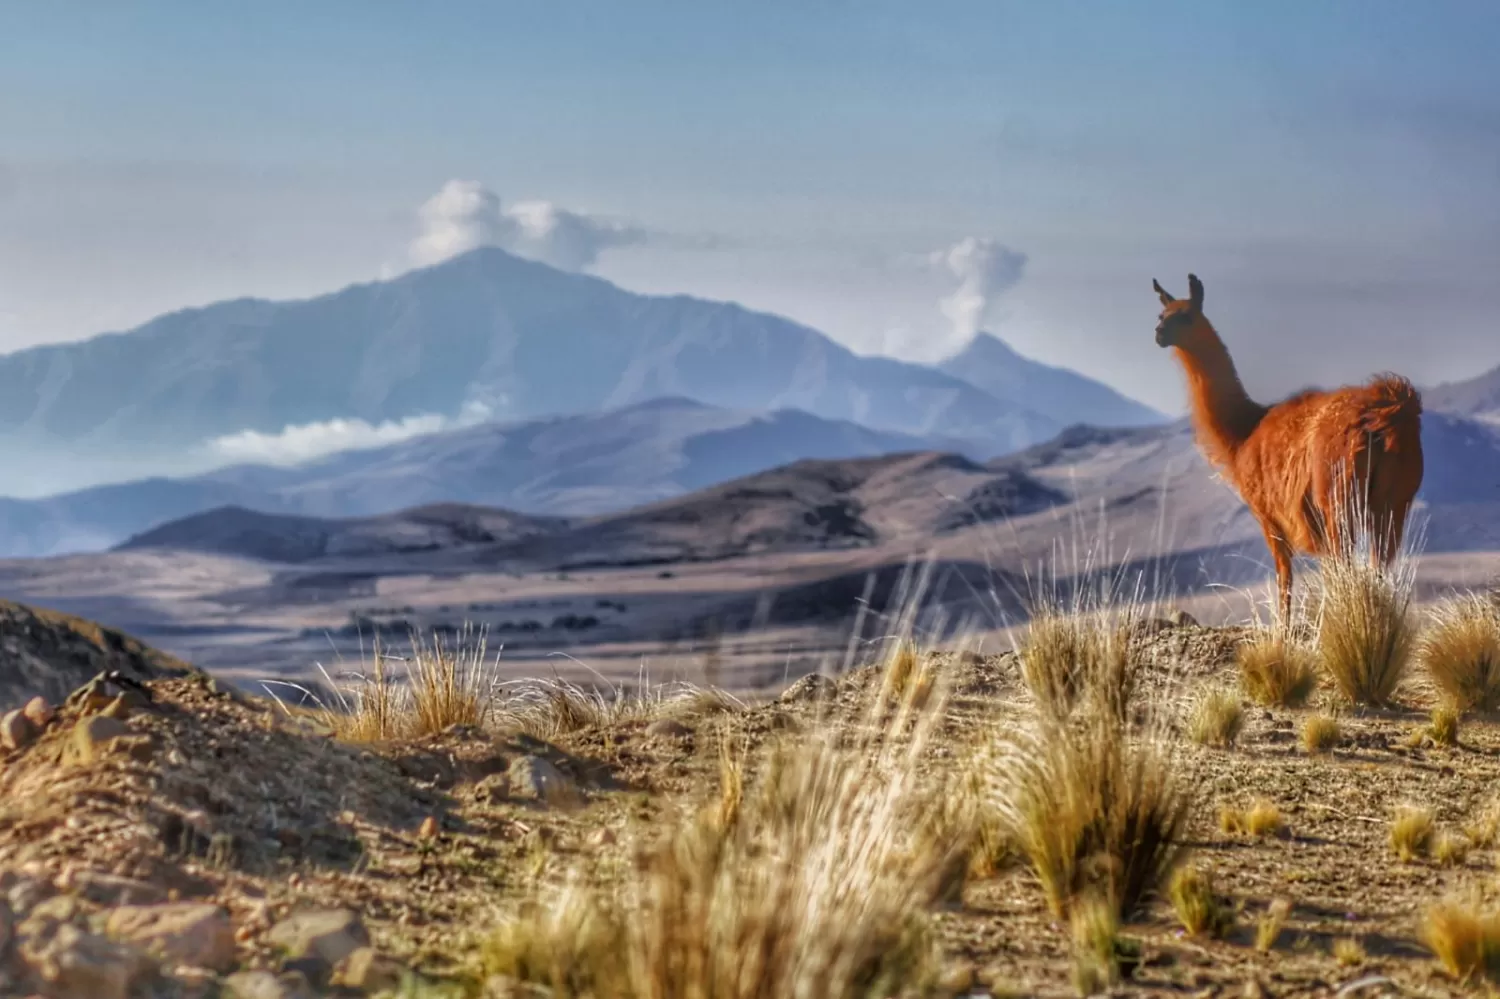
(551, 707)
(1268, 928)
(1465, 940)
(1260, 820)
(1411, 832)
(1443, 726)
(1348, 952)
(1460, 650)
(1276, 671)
(1094, 807)
(1068, 654)
(1321, 733)
(443, 686)
(1198, 908)
(1450, 849)
(1484, 829)
(809, 875)
(1217, 718)
(1095, 926)
(1366, 632)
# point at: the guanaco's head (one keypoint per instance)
(1181, 319)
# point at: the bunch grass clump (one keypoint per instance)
(1321, 733)
(1216, 719)
(1460, 651)
(1276, 671)
(1465, 940)
(1260, 820)
(1411, 832)
(1199, 909)
(1366, 630)
(809, 873)
(1068, 652)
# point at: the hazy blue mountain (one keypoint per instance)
(1478, 396)
(1065, 396)
(570, 465)
(519, 337)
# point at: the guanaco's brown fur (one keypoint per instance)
(1312, 469)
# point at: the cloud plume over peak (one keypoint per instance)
(985, 270)
(465, 215)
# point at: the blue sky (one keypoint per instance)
(1331, 170)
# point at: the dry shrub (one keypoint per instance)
(1198, 908)
(1460, 650)
(1366, 632)
(1484, 829)
(1277, 672)
(1348, 952)
(1094, 807)
(1268, 928)
(1450, 849)
(1261, 819)
(814, 883)
(1216, 718)
(1321, 733)
(1411, 832)
(1464, 939)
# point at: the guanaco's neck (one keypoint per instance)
(1223, 415)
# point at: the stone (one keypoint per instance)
(27, 893)
(16, 730)
(39, 712)
(113, 889)
(534, 778)
(92, 737)
(74, 963)
(329, 935)
(198, 934)
(668, 728)
(263, 985)
(812, 687)
(369, 971)
(428, 829)
(1182, 619)
(603, 836)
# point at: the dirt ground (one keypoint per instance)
(207, 795)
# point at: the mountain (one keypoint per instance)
(1478, 396)
(486, 328)
(571, 465)
(1067, 397)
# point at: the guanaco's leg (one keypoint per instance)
(1281, 552)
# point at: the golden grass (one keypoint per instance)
(1095, 808)
(1276, 671)
(1348, 952)
(1460, 650)
(1483, 829)
(1465, 940)
(1321, 733)
(1095, 929)
(1260, 820)
(1443, 725)
(1198, 908)
(1366, 631)
(1268, 928)
(1216, 718)
(1450, 849)
(813, 882)
(1411, 832)
(1067, 654)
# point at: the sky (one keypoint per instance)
(894, 174)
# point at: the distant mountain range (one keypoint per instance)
(489, 329)
(1475, 397)
(569, 465)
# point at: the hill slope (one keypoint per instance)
(1066, 396)
(571, 465)
(1479, 396)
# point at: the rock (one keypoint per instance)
(812, 687)
(428, 829)
(92, 736)
(16, 730)
(112, 889)
(264, 985)
(369, 971)
(315, 940)
(27, 893)
(192, 933)
(532, 777)
(668, 728)
(495, 787)
(603, 837)
(39, 711)
(1182, 619)
(74, 963)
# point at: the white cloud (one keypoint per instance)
(985, 270)
(302, 442)
(465, 215)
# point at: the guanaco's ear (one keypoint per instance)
(1161, 293)
(1195, 291)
